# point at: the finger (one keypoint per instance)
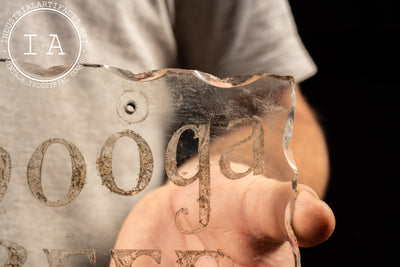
(313, 220)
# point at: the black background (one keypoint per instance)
(355, 46)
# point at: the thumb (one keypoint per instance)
(313, 220)
(265, 203)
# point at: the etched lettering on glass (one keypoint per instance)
(202, 133)
(5, 171)
(78, 178)
(17, 254)
(189, 258)
(58, 257)
(257, 136)
(104, 163)
(126, 257)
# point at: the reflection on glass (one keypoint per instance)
(75, 159)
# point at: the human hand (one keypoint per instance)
(247, 220)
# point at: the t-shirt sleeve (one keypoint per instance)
(236, 37)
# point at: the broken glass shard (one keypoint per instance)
(75, 158)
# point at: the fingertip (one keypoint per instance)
(313, 220)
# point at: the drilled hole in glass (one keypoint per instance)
(130, 108)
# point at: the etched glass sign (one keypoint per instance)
(76, 158)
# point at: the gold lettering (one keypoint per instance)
(58, 257)
(17, 254)
(189, 258)
(126, 257)
(104, 163)
(78, 179)
(257, 137)
(201, 132)
(5, 171)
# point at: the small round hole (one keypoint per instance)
(130, 108)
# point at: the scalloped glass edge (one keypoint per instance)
(233, 81)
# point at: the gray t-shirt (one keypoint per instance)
(223, 38)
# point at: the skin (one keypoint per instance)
(248, 215)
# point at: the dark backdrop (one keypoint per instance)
(355, 45)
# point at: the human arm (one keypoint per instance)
(247, 220)
(248, 215)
